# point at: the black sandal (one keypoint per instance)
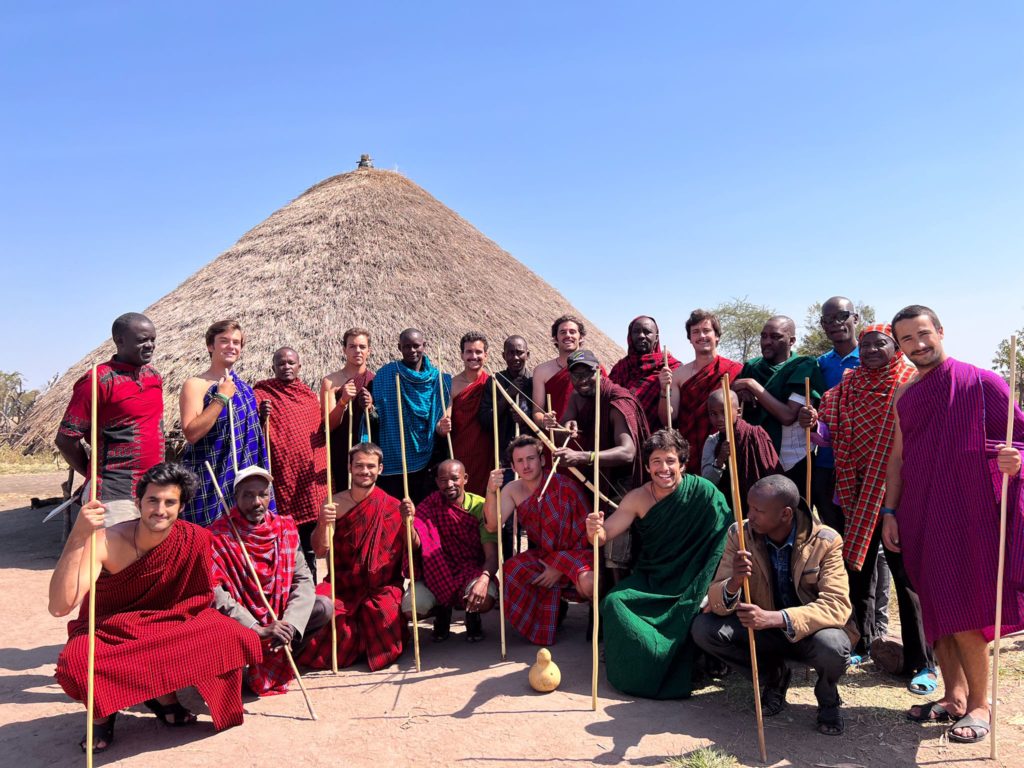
(773, 700)
(474, 627)
(442, 625)
(101, 732)
(830, 721)
(173, 715)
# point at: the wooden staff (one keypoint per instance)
(408, 524)
(266, 440)
(91, 670)
(551, 434)
(231, 428)
(543, 437)
(597, 561)
(366, 418)
(444, 407)
(259, 587)
(501, 555)
(554, 467)
(737, 507)
(330, 537)
(349, 443)
(668, 396)
(807, 438)
(1002, 547)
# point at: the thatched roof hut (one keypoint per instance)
(367, 248)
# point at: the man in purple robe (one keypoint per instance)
(941, 511)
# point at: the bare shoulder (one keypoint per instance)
(545, 370)
(684, 372)
(638, 501)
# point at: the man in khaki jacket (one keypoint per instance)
(799, 600)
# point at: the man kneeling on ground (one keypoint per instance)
(800, 600)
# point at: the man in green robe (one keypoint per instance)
(772, 390)
(681, 523)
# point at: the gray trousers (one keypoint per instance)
(827, 651)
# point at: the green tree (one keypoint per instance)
(741, 322)
(1001, 363)
(814, 341)
(14, 400)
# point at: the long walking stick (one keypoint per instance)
(408, 526)
(444, 407)
(366, 418)
(807, 440)
(259, 587)
(668, 396)
(1002, 547)
(597, 563)
(93, 462)
(349, 440)
(266, 441)
(501, 555)
(737, 507)
(231, 427)
(554, 468)
(551, 434)
(515, 512)
(546, 441)
(330, 538)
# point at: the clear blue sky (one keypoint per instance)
(642, 160)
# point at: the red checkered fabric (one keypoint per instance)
(156, 633)
(451, 553)
(272, 546)
(639, 374)
(471, 443)
(693, 421)
(368, 544)
(557, 523)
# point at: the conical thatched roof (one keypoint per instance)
(366, 248)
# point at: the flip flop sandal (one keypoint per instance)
(980, 728)
(173, 715)
(924, 682)
(101, 732)
(859, 658)
(932, 712)
(830, 721)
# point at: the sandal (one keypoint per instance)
(857, 659)
(773, 700)
(830, 721)
(980, 728)
(102, 732)
(442, 625)
(932, 712)
(474, 628)
(924, 682)
(173, 715)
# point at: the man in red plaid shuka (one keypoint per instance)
(639, 370)
(560, 567)
(155, 630)
(458, 557)
(272, 542)
(368, 546)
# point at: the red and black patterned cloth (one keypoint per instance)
(557, 523)
(368, 546)
(692, 421)
(272, 546)
(472, 445)
(623, 401)
(130, 428)
(639, 374)
(298, 457)
(156, 633)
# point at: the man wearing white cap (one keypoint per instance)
(272, 542)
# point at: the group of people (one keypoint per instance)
(906, 462)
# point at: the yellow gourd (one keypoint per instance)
(544, 675)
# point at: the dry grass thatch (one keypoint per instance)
(367, 248)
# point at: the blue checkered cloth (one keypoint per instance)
(421, 410)
(215, 447)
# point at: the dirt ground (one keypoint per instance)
(466, 706)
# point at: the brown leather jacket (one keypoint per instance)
(819, 577)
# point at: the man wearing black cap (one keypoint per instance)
(623, 430)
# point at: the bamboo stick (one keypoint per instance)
(366, 418)
(554, 467)
(543, 437)
(408, 524)
(501, 555)
(444, 407)
(330, 537)
(596, 600)
(668, 396)
(349, 444)
(551, 434)
(737, 506)
(259, 587)
(807, 440)
(515, 511)
(266, 442)
(231, 428)
(94, 458)
(1002, 549)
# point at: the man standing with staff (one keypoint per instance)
(942, 513)
(638, 371)
(349, 386)
(131, 415)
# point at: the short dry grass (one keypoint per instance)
(704, 757)
(13, 462)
